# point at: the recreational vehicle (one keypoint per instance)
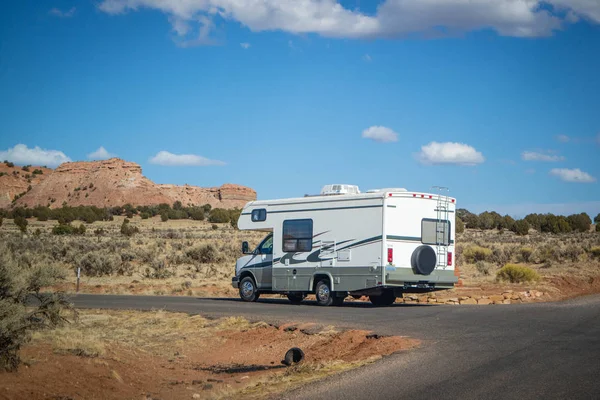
(380, 244)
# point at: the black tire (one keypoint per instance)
(387, 298)
(295, 298)
(248, 289)
(423, 260)
(325, 296)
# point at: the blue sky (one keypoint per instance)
(498, 100)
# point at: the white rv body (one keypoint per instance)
(361, 244)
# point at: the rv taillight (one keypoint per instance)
(449, 259)
(390, 255)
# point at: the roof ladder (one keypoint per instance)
(442, 225)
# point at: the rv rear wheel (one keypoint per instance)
(324, 294)
(248, 290)
(295, 298)
(387, 298)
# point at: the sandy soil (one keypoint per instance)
(124, 354)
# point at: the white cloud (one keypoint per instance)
(100, 154)
(450, 153)
(245, 46)
(563, 138)
(393, 18)
(536, 156)
(23, 155)
(572, 175)
(169, 159)
(380, 134)
(62, 14)
(530, 171)
(367, 58)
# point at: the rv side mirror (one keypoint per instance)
(245, 247)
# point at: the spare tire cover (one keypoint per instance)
(423, 260)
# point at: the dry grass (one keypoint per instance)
(481, 254)
(177, 257)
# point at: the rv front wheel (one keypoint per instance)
(324, 294)
(248, 290)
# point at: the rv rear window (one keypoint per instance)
(297, 235)
(259, 214)
(435, 232)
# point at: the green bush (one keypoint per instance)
(473, 253)
(68, 229)
(580, 222)
(19, 316)
(9, 164)
(21, 223)
(219, 215)
(460, 226)
(145, 215)
(37, 172)
(127, 229)
(595, 251)
(520, 227)
(214, 227)
(164, 217)
(516, 274)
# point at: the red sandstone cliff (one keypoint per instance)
(116, 182)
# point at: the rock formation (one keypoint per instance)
(115, 182)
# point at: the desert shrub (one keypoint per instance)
(21, 223)
(37, 172)
(598, 227)
(595, 251)
(460, 226)
(219, 215)
(127, 229)
(196, 213)
(145, 215)
(25, 168)
(9, 164)
(483, 267)
(68, 229)
(158, 269)
(521, 227)
(572, 252)
(164, 217)
(516, 274)
(99, 263)
(500, 255)
(205, 253)
(525, 254)
(18, 316)
(1, 220)
(214, 227)
(472, 253)
(545, 253)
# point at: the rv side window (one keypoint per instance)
(297, 235)
(259, 214)
(435, 232)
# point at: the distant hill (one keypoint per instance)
(15, 180)
(108, 183)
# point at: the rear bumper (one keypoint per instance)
(235, 282)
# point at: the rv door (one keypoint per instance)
(263, 263)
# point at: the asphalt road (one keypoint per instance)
(525, 351)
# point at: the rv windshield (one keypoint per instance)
(266, 246)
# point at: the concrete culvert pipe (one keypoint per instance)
(293, 356)
(423, 260)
